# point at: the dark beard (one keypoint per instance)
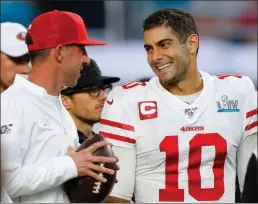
(89, 121)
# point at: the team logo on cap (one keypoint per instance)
(21, 36)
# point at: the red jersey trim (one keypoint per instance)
(117, 137)
(117, 125)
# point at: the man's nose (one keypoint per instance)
(156, 56)
(103, 94)
(86, 59)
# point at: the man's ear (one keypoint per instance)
(59, 53)
(193, 44)
(67, 102)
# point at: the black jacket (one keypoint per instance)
(82, 137)
(250, 187)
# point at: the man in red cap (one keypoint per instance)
(38, 136)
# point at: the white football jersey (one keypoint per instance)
(179, 152)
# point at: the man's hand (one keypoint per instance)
(84, 161)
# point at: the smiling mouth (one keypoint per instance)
(164, 67)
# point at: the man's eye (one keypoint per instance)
(95, 89)
(165, 45)
(148, 49)
(83, 50)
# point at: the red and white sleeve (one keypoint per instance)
(117, 122)
(117, 125)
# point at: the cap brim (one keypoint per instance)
(109, 80)
(91, 42)
(104, 80)
(15, 51)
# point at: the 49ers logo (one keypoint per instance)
(192, 128)
(148, 110)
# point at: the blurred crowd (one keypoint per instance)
(228, 32)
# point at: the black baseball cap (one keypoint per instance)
(90, 76)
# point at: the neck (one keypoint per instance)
(2, 89)
(192, 83)
(82, 126)
(45, 75)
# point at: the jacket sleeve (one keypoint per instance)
(20, 179)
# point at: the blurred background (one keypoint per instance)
(228, 32)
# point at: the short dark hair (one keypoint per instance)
(181, 22)
(35, 53)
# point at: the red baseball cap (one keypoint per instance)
(59, 27)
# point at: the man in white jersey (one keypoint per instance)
(38, 135)
(181, 136)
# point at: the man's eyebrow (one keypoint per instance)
(164, 40)
(159, 42)
(147, 46)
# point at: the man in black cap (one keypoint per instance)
(85, 101)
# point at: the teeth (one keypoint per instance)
(164, 66)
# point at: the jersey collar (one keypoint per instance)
(178, 105)
(31, 87)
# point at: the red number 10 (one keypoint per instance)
(172, 191)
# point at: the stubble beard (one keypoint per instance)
(179, 75)
(89, 121)
(174, 80)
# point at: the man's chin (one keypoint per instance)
(71, 85)
(169, 81)
(91, 121)
(166, 78)
(64, 87)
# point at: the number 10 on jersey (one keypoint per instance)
(170, 146)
